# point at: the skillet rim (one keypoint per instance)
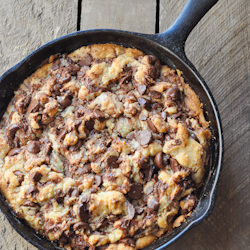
(156, 40)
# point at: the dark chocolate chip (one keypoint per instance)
(36, 176)
(64, 101)
(159, 160)
(126, 77)
(86, 61)
(174, 165)
(33, 106)
(173, 93)
(66, 77)
(11, 131)
(145, 103)
(142, 89)
(57, 88)
(144, 162)
(83, 212)
(20, 176)
(74, 68)
(155, 94)
(14, 151)
(153, 203)
(33, 147)
(89, 125)
(136, 191)
(112, 161)
(148, 173)
(144, 137)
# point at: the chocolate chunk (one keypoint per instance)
(14, 151)
(74, 68)
(83, 212)
(57, 88)
(126, 77)
(157, 106)
(20, 176)
(89, 125)
(33, 106)
(155, 94)
(144, 162)
(145, 103)
(136, 191)
(131, 211)
(148, 173)
(144, 137)
(174, 165)
(59, 199)
(155, 68)
(64, 101)
(65, 77)
(36, 176)
(173, 93)
(151, 125)
(142, 88)
(86, 61)
(159, 160)
(33, 147)
(11, 131)
(112, 161)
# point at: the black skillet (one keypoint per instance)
(169, 48)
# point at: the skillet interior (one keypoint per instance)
(12, 79)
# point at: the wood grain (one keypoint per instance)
(219, 48)
(25, 26)
(128, 15)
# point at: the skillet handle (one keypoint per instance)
(176, 35)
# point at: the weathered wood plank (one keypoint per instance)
(219, 48)
(24, 26)
(119, 14)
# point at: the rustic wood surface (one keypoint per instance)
(129, 15)
(218, 47)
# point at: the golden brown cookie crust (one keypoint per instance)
(103, 147)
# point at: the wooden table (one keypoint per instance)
(218, 47)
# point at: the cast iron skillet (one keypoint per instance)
(169, 48)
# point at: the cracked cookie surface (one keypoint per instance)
(104, 148)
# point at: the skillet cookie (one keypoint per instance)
(103, 148)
